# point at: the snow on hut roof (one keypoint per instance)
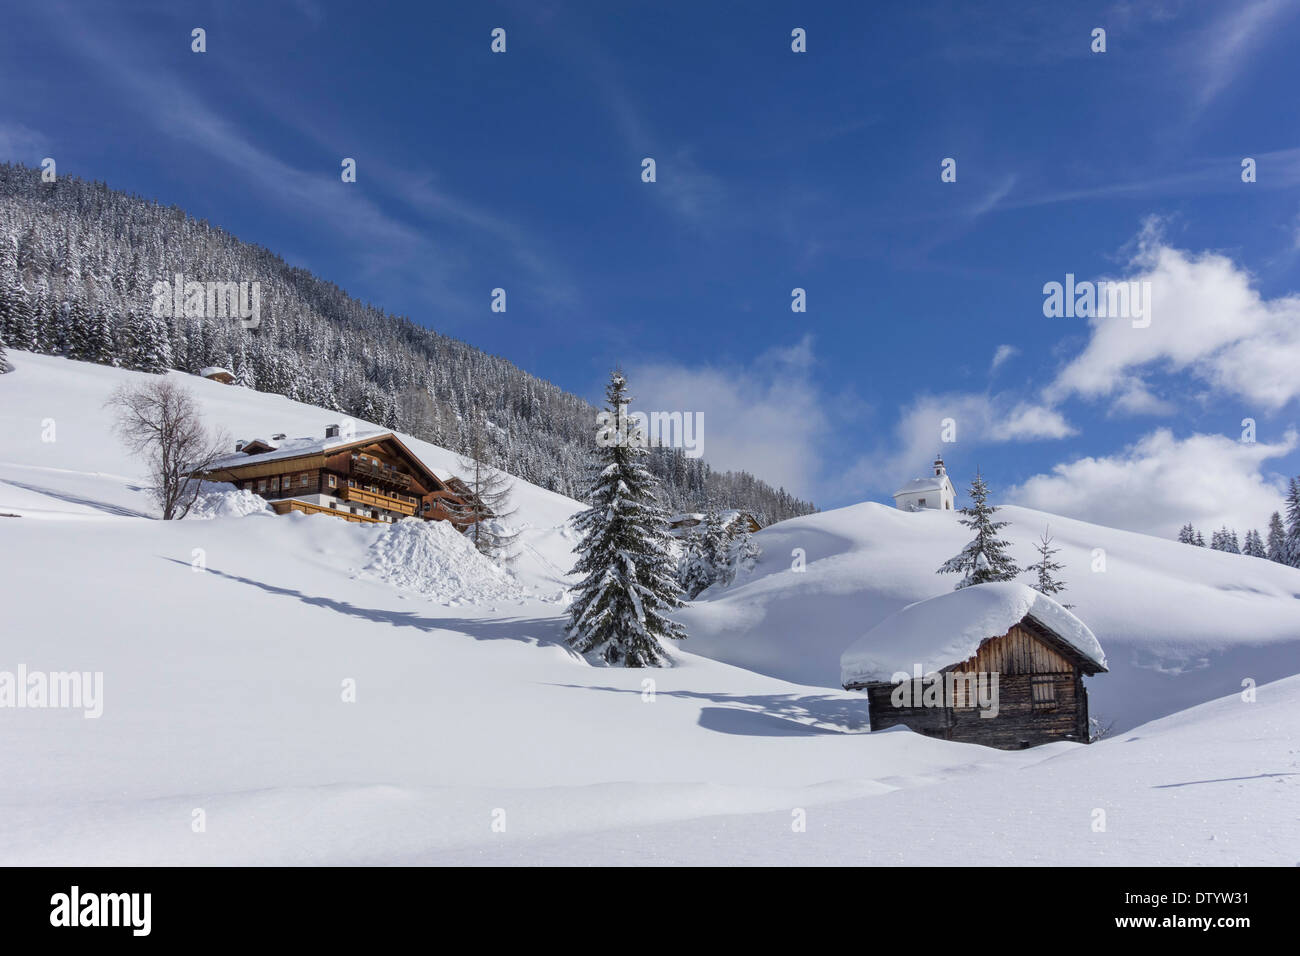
(214, 370)
(949, 629)
(920, 484)
(294, 448)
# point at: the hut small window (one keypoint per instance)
(334, 482)
(1044, 693)
(304, 479)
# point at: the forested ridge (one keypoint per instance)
(78, 264)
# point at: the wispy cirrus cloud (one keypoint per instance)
(387, 246)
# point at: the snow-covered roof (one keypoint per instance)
(215, 370)
(920, 484)
(294, 448)
(949, 629)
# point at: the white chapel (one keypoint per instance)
(933, 492)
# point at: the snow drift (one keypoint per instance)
(436, 561)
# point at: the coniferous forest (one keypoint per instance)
(78, 263)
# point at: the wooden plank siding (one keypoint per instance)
(1022, 658)
(306, 507)
(1019, 651)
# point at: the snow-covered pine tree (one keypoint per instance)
(4, 361)
(745, 551)
(1225, 539)
(1292, 546)
(1276, 539)
(147, 348)
(1187, 534)
(628, 584)
(717, 547)
(1044, 570)
(693, 569)
(156, 356)
(1254, 545)
(1200, 540)
(985, 559)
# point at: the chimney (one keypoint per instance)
(239, 445)
(332, 431)
(278, 436)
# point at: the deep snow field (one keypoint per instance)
(476, 736)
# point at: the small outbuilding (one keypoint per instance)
(219, 374)
(994, 664)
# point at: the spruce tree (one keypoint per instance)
(618, 614)
(693, 568)
(985, 559)
(1291, 553)
(1200, 541)
(1187, 534)
(717, 547)
(4, 361)
(1276, 539)
(745, 551)
(1254, 545)
(1225, 540)
(1045, 568)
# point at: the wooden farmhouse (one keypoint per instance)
(993, 664)
(369, 477)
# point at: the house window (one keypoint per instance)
(1044, 693)
(334, 482)
(261, 485)
(304, 479)
(921, 502)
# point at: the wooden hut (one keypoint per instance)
(993, 664)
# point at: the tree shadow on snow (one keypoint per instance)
(72, 499)
(768, 715)
(533, 631)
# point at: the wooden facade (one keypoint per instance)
(1040, 695)
(370, 479)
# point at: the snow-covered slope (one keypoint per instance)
(1180, 625)
(224, 689)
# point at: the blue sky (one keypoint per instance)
(775, 170)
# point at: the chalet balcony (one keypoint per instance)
(402, 504)
(363, 467)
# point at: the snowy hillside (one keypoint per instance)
(477, 736)
(1179, 625)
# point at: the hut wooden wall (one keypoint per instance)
(1018, 658)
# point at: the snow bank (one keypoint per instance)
(432, 558)
(950, 628)
(226, 501)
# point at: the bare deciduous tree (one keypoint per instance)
(489, 502)
(160, 421)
